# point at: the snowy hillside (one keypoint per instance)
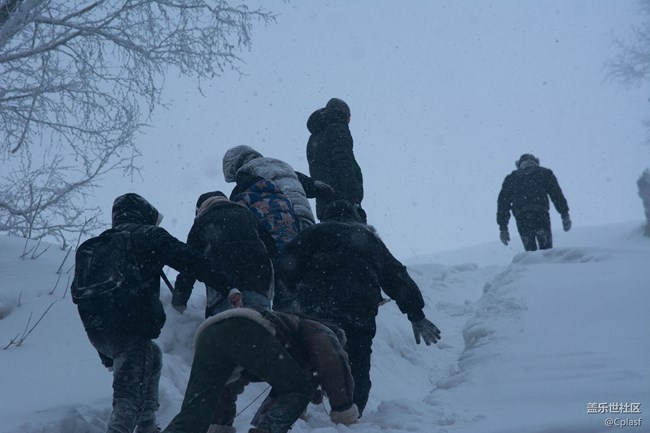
(532, 342)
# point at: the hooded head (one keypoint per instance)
(341, 210)
(133, 208)
(340, 105)
(335, 111)
(205, 196)
(235, 158)
(527, 160)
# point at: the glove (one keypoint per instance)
(427, 330)
(323, 189)
(566, 223)
(504, 236)
(179, 308)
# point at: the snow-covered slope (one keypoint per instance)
(532, 342)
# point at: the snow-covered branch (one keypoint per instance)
(78, 79)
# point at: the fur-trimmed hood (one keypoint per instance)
(244, 161)
(235, 158)
(246, 313)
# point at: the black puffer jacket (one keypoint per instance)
(331, 158)
(141, 312)
(337, 269)
(527, 189)
(228, 233)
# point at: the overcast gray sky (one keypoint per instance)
(444, 95)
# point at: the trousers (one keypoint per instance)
(535, 230)
(137, 363)
(241, 343)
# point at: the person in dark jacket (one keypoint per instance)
(228, 232)
(121, 325)
(336, 271)
(330, 155)
(281, 349)
(525, 193)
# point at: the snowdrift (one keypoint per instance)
(532, 342)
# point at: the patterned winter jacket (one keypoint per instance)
(246, 160)
(272, 208)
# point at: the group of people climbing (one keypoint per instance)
(291, 299)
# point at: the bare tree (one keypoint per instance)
(631, 66)
(644, 192)
(79, 78)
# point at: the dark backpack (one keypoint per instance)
(103, 267)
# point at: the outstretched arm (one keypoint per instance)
(557, 197)
(399, 285)
(187, 260)
(316, 188)
(504, 204)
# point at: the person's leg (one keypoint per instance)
(211, 368)
(226, 410)
(543, 232)
(130, 377)
(153, 364)
(241, 342)
(359, 349)
(526, 228)
(271, 362)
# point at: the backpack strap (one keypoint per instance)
(166, 280)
